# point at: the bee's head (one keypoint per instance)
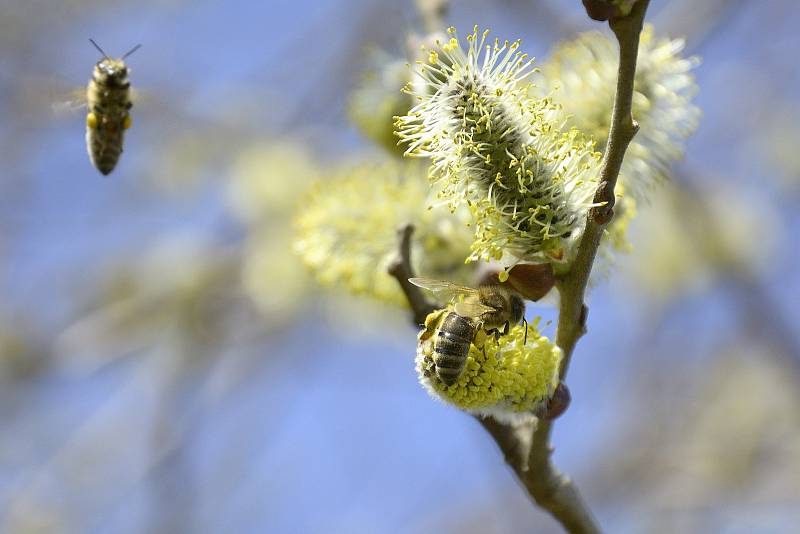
(111, 70)
(517, 308)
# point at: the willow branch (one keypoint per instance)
(549, 488)
(514, 441)
(528, 451)
(400, 268)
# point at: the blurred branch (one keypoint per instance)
(700, 22)
(433, 13)
(765, 321)
(759, 313)
(401, 269)
(548, 20)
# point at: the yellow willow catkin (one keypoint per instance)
(581, 76)
(514, 373)
(527, 181)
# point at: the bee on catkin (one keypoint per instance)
(109, 104)
(489, 307)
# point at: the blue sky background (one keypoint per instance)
(301, 429)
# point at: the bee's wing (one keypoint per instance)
(48, 97)
(68, 106)
(139, 96)
(472, 308)
(74, 101)
(444, 289)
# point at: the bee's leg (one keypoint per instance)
(525, 321)
(506, 328)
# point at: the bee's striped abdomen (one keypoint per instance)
(104, 144)
(451, 347)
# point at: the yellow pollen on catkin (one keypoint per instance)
(498, 152)
(501, 375)
(91, 120)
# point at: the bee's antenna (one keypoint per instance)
(97, 46)
(525, 341)
(132, 50)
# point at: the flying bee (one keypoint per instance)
(489, 307)
(109, 104)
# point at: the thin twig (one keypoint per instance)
(401, 269)
(552, 490)
(514, 441)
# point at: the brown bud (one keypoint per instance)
(602, 215)
(557, 404)
(599, 9)
(532, 280)
(608, 9)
